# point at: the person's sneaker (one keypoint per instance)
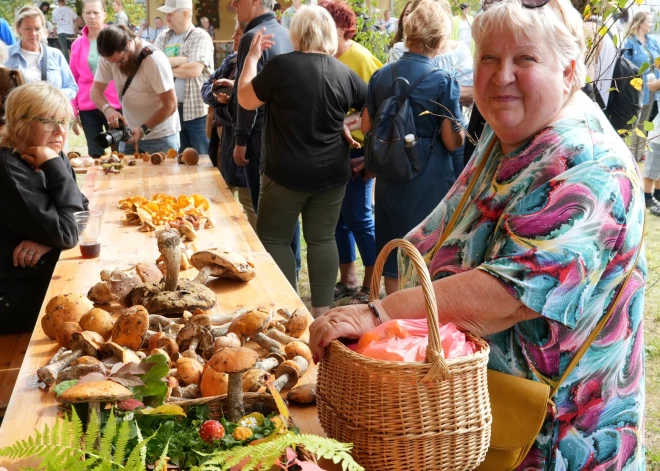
(651, 202)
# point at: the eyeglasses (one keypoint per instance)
(525, 3)
(51, 124)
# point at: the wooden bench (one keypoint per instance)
(12, 353)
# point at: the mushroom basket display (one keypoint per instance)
(421, 416)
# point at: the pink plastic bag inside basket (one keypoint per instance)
(406, 340)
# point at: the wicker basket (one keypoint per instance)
(407, 416)
(253, 402)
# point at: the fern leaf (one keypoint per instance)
(123, 437)
(161, 464)
(93, 430)
(105, 450)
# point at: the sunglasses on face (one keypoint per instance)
(51, 124)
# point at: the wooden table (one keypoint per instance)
(31, 407)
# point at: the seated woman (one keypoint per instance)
(40, 196)
(550, 230)
(401, 205)
(305, 159)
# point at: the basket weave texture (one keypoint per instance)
(253, 402)
(407, 416)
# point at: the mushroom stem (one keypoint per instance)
(267, 364)
(282, 337)
(193, 344)
(58, 355)
(203, 275)
(169, 246)
(159, 323)
(235, 397)
(267, 343)
(48, 374)
(219, 331)
(284, 379)
(284, 312)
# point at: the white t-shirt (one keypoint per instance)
(141, 99)
(32, 73)
(65, 20)
(173, 49)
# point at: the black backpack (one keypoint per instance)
(386, 153)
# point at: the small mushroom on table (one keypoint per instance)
(64, 308)
(251, 325)
(172, 295)
(94, 393)
(196, 339)
(222, 264)
(296, 324)
(113, 353)
(82, 343)
(234, 362)
(289, 372)
(131, 327)
(303, 394)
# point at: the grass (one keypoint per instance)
(651, 320)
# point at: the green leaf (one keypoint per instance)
(643, 68)
(63, 386)
(632, 120)
(165, 409)
(648, 126)
(155, 388)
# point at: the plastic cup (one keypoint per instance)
(89, 232)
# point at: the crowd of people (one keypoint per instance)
(529, 234)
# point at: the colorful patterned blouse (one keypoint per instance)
(558, 222)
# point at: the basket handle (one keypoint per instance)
(434, 355)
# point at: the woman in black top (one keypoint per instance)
(305, 158)
(40, 196)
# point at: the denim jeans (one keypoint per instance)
(356, 224)
(93, 123)
(161, 144)
(193, 133)
(64, 44)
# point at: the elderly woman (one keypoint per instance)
(84, 61)
(34, 59)
(306, 163)
(642, 48)
(40, 196)
(552, 226)
(401, 205)
(356, 221)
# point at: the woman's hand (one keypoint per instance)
(346, 132)
(350, 322)
(76, 126)
(28, 253)
(37, 156)
(113, 116)
(260, 43)
(221, 98)
(223, 82)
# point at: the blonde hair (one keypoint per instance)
(428, 25)
(100, 2)
(638, 19)
(558, 24)
(313, 29)
(34, 100)
(30, 11)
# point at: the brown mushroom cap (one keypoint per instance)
(99, 321)
(297, 323)
(294, 349)
(254, 379)
(304, 394)
(131, 327)
(291, 368)
(65, 331)
(86, 360)
(148, 272)
(213, 383)
(196, 331)
(234, 360)
(225, 264)
(190, 370)
(89, 342)
(95, 391)
(250, 324)
(64, 308)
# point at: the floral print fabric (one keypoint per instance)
(558, 222)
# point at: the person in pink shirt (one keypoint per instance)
(83, 62)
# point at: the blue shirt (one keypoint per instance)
(637, 53)
(58, 72)
(6, 36)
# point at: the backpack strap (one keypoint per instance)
(146, 51)
(44, 62)
(396, 79)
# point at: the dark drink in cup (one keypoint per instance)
(90, 251)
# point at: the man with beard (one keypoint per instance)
(152, 88)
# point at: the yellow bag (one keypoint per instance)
(519, 405)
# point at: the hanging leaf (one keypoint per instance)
(640, 133)
(587, 12)
(648, 126)
(281, 405)
(643, 68)
(637, 83)
(632, 120)
(129, 404)
(622, 131)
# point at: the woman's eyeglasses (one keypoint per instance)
(51, 124)
(525, 3)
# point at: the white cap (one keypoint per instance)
(409, 138)
(173, 5)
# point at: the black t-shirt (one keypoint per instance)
(307, 96)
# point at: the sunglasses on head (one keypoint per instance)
(525, 3)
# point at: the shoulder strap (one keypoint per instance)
(44, 62)
(146, 51)
(419, 80)
(599, 327)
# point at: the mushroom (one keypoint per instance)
(254, 380)
(250, 324)
(148, 272)
(191, 391)
(196, 339)
(99, 321)
(225, 341)
(100, 293)
(270, 362)
(289, 372)
(267, 343)
(64, 332)
(168, 344)
(159, 323)
(112, 352)
(190, 370)
(64, 308)
(295, 349)
(234, 362)
(222, 264)
(187, 231)
(82, 343)
(95, 392)
(296, 324)
(78, 371)
(172, 295)
(86, 360)
(282, 337)
(131, 327)
(213, 383)
(304, 394)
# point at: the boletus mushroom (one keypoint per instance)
(297, 323)
(94, 393)
(196, 339)
(82, 343)
(131, 327)
(234, 362)
(99, 321)
(289, 372)
(172, 295)
(64, 308)
(222, 264)
(303, 394)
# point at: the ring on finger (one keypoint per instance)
(30, 253)
(24, 250)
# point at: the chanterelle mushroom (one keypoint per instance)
(222, 264)
(172, 295)
(234, 362)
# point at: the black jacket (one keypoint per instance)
(36, 206)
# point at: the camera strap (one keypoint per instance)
(146, 51)
(44, 62)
